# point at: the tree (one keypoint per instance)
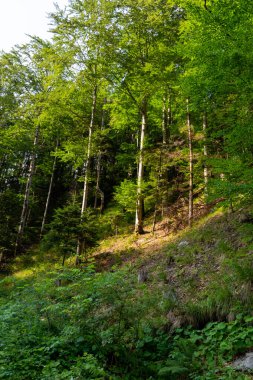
(215, 45)
(145, 35)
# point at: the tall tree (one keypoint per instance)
(145, 35)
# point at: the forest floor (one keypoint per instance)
(176, 281)
(132, 247)
(212, 259)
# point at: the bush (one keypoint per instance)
(66, 227)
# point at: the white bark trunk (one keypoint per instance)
(167, 119)
(99, 192)
(25, 208)
(49, 194)
(190, 210)
(205, 154)
(80, 243)
(140, 200)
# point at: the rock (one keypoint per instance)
(58, 282)
(246, 218)
(170, 261)
(171, 295)
(231, 317)
(142, 275)
(175, 321)
(244, 363)
(183, 243)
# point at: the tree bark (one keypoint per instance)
(49, 194)
(98, 191)
(166, 131)
(25, 208)
(80, 243)
(87, 163)
(166, 119)
(205, 154)
(140, 199)
(189, 128)
(157, 196)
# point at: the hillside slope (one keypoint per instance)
(159, 306)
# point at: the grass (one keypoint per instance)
(215, 259)
(208, 278)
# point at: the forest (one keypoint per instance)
(126, 188)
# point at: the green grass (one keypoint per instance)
(187, 321)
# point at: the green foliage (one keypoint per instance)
(10, 208)
(66, 227)
(85, 367)
(76, 329)
(99, 326)
(205, 354)
(125, 195)
(61, 322)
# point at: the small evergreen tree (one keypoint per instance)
(66, 228)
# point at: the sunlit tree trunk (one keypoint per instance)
(166, 119)
(189, 128)
(49, 194)
(166, 131)
(25, 208)
(87, 163)
(98, 191)
(157, 197)
(205, 154)
(140, 199)
(80, 243)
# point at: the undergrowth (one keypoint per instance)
(107, 326)
(188, 320)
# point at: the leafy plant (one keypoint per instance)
(66, 228)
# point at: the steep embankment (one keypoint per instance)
(208, 269)
(127, 313)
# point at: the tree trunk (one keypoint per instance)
(167, 119)
(79, 249)
(157, 196)
(25, 208)
(205, 154)
(166, 131)
(140, 200)
(49, 193)
(98, 191)
(190, 210)
(87, 163)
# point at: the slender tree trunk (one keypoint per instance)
(49, 193)
(205, 154)
(169, 115)
(166, 119)
(99, 192)
(190, 209)
(158, 198)
(166, 131)
(25, 208)
(140, 199)
(80, 243)
(73, 188)
(3, 171)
